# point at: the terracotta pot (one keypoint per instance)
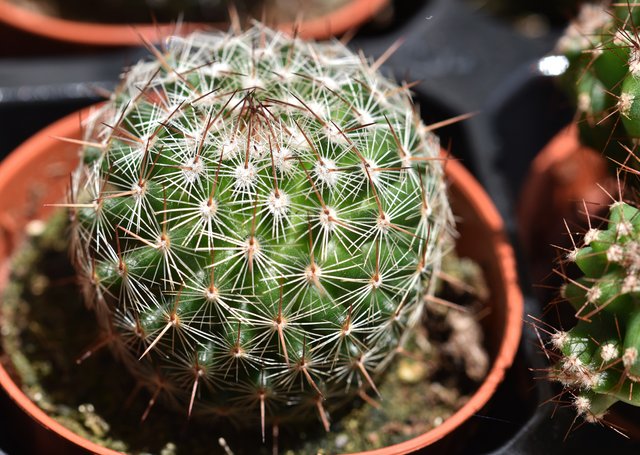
(563, 175)
(348, 17)
(36, 173)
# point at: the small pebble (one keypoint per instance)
(169, 449)
(84, 408)
(411, 372)
(92, 421)
(341, 440)
(35, 228)
(374, 439)
(39, 284)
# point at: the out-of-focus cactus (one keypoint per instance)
(603, 51)
(256, 220)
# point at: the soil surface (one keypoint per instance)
(51, 342)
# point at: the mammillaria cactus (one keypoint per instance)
(599, 361)
(603, 52)
(255, 222)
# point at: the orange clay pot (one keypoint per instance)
(347, 17)
(564, 178)
(37, 173)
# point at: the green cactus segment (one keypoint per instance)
(256, 220)
(611, 66)
(629, 105)
(632, 345)
(603, 52)
(599, 356)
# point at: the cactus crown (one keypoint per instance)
(255, 219)
(599, 360)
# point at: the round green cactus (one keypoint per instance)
(599, 360)
(603, 52)
(255, 221)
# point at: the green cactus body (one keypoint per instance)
(603, 52)
(599, 356)
(255, 221)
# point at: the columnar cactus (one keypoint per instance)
(255, 222)
(603, 51)
(599, 358)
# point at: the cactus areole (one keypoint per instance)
(256, 220)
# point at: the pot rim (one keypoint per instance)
(347, 17)
(456, 174)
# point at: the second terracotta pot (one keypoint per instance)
(349, 16)
(566, 181)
